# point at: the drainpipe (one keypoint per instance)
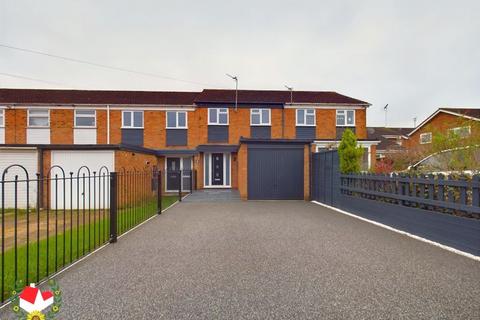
(108, 124)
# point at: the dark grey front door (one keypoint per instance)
(217, 169)
(173, 172)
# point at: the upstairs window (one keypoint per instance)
(218, 116)
(176, 120)
(426, 138)
(85, 118)
(461, 132)
(345, 118)
(305, 117)
(38, 118)
(132, 119)
(260, 117)
(2, 118)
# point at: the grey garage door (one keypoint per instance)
(275, 172)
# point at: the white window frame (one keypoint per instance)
(259, 111)
(85, 116)
(2, 114)
(210, 123)
(131, 119)
(34, 126)
(184, 175)
(304, 124)
(453, 130)
(426, 134)
(345, 124)
(176, 119)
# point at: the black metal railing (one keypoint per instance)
(50, 221)
(458, 196)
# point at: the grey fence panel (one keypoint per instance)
(442, 209)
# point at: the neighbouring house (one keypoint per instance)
(392, 140)
(461, 121)
(259, 143)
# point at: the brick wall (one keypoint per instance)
(276, 123)
(440, 123)
(361, 123)
(242, 171)
(102, 126)
(16, 126)
(326, 123)
(61, 126)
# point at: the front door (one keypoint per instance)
(217, 169)
(173, 172)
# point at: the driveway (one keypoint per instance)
(269, 260)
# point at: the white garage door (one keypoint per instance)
(89, 187)
(28, 159)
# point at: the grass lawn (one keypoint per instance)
(71, 245)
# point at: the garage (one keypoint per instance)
(26, 157)
(276, 171)
(72, 161)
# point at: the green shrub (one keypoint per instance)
(350, 153)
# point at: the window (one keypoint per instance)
(85, 118)
(38, 118)
(345, 118)
(260, 117)
(305, 117)
(426, 138)
(132, 119)
(461, 132)
(218, 116)
(2, 117)
(176, 120)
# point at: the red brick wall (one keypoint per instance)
(440, 123)
(61, 126)
(242, 171)
(361, 123)
(326, 123)
(16, 126)
(101, 126)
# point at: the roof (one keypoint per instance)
(379, 132)
(29, 294)
(56, 96)
(469, 113)
(207, 96)
(275, 97)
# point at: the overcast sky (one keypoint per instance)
(414, 55)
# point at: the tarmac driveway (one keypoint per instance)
(269, 260)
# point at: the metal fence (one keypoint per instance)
(50, 221)
(459, 196)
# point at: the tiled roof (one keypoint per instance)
(49, 96)
(378, 132)
(57, 96)
(475, 113)
(275, 97)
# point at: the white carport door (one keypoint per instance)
(29, 160)
(88, 192)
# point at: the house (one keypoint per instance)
(392, 140)
(32, 299)
(461, 121)
(258, 142)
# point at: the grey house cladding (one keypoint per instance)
(340, 131)
(177, 137)
(132, 137)
(305, 132)
(261, 132)
(217, 133)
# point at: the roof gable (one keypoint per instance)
(468, 113)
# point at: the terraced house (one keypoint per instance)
(259, 142)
